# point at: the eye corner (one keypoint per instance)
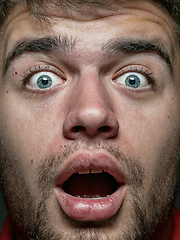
(43, 78)
(134, 78)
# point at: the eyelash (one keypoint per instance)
(52, 69)
(140, 70)
(35, 70)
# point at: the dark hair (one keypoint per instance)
(37, 7)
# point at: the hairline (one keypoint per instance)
(42, 15)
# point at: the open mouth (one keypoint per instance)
(90, 183)
(90, 186)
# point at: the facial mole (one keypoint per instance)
(31, 161)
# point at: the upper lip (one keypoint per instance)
(90, 159)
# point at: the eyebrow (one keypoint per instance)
(134, 46)
(44, 44)
(64, 44)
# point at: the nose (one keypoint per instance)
(90, 111)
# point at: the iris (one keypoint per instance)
(44, 81)
(133, 81)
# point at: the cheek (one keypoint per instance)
(150, 132)
(30, 132)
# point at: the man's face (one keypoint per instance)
(90, 122)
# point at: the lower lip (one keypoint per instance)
(94, 209)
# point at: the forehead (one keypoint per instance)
(133, 19)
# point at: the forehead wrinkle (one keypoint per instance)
(45, 44)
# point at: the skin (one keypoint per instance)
(142, 123)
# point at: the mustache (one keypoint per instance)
(49, 167)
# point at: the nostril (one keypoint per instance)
(90, 124)
(89, 131)
(105, 129)
(78, 129)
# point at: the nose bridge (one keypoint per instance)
(92, 94)
(90, 112)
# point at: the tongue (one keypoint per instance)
(90, 185)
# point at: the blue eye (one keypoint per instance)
(44, 80)
(133, 80)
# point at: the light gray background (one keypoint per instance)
(3, 213)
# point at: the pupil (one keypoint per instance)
(44, 81)
(133, 81)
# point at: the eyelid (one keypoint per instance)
(41, 68)
(44, 68)
(136, 68)
(38, 69)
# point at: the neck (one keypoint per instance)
(164, 230)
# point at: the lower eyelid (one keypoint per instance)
(45, 68)
(138, 69)
(48, 76)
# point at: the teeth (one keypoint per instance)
(87, 171)
(84, 171)
(96, 171)
(94, 197)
